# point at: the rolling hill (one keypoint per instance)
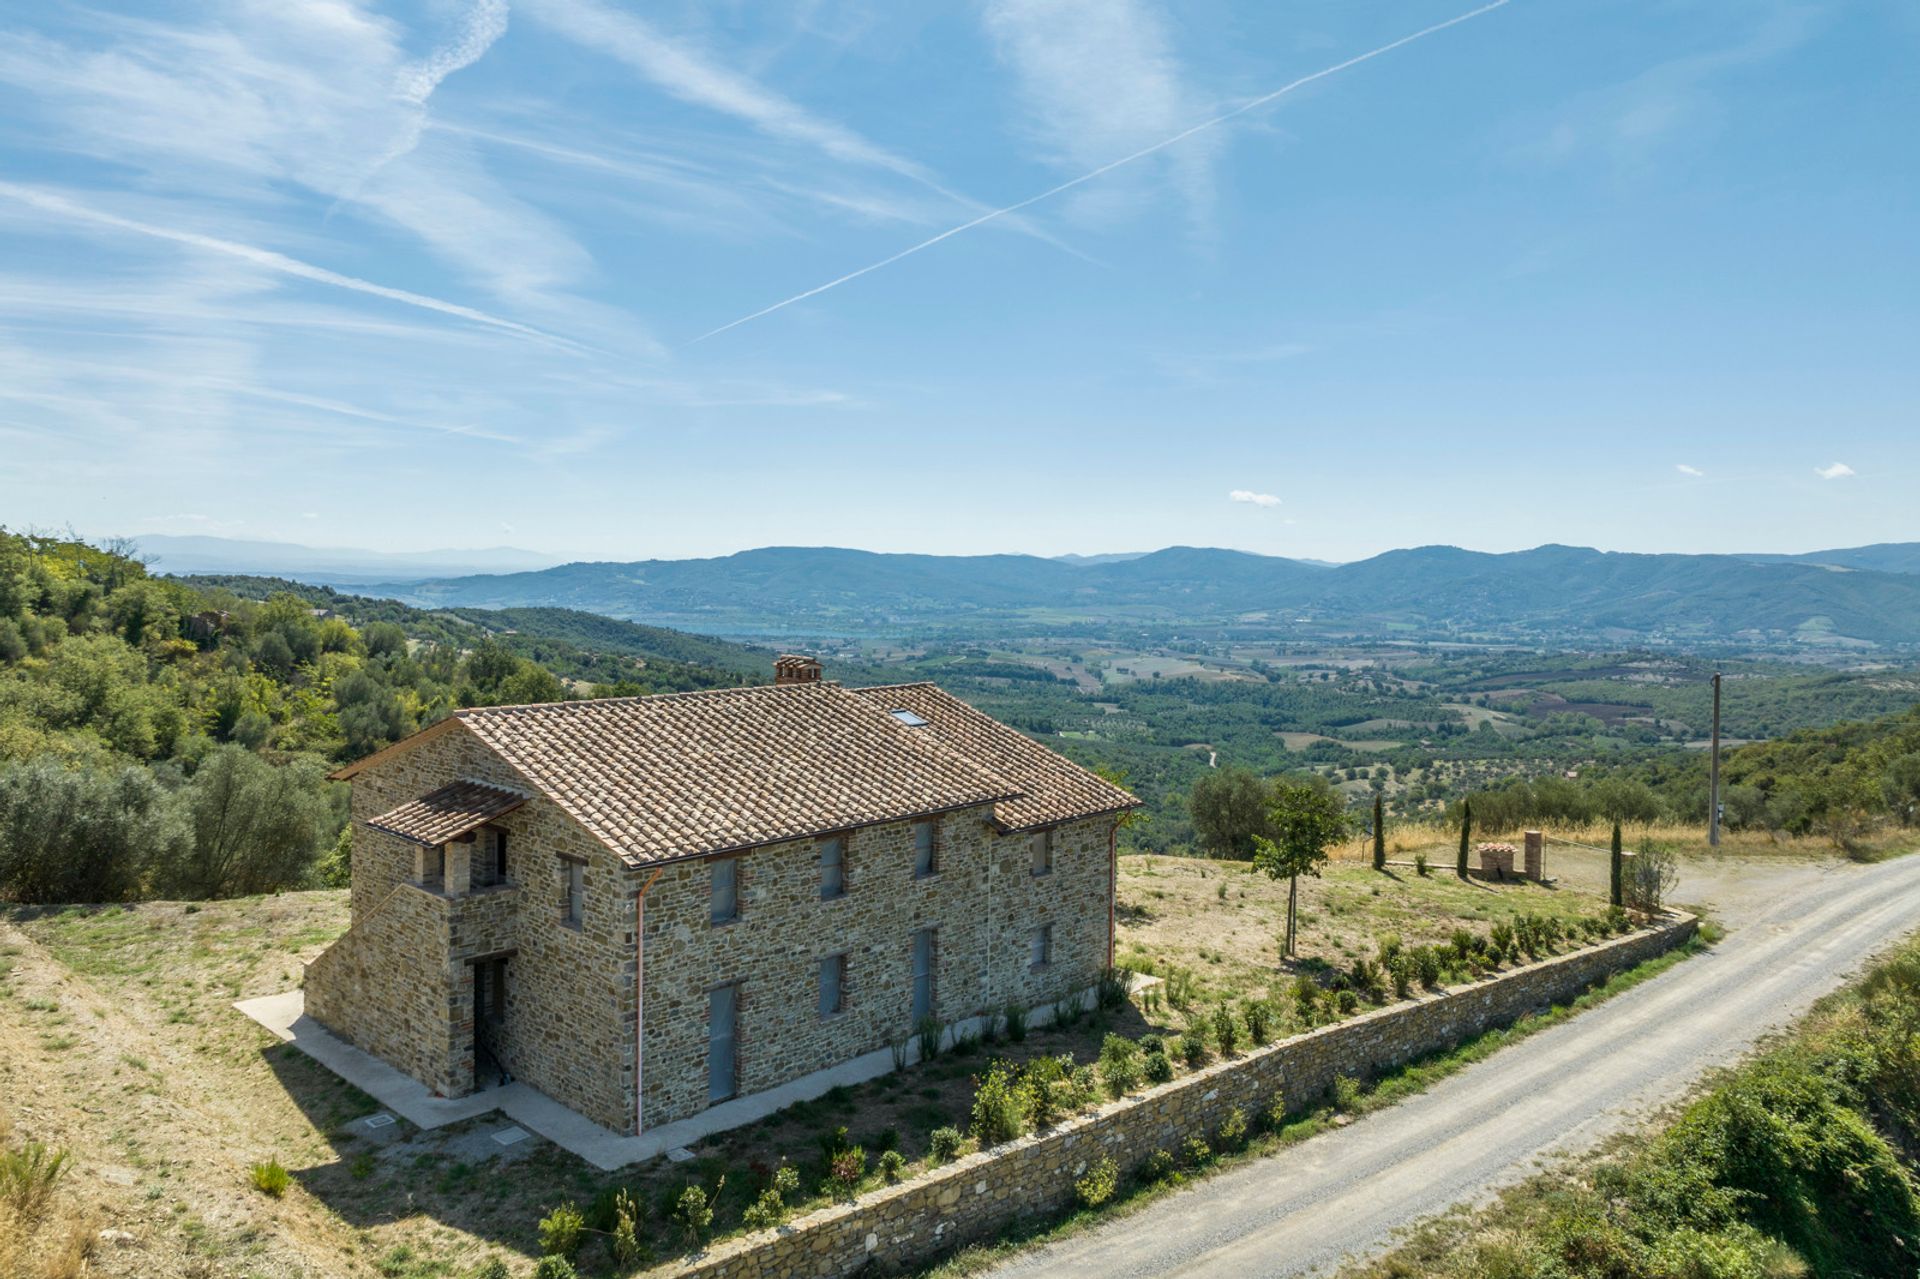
(1433, 591)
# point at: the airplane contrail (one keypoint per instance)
(1111, 165)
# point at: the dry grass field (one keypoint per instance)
(118, 1044)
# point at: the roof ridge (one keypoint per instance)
(465, 712)
(882, 688)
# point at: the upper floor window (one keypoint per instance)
(726, 890)
(925, 848)
(833, 867)
(489, 857)
(1043, 852)
(576, 902)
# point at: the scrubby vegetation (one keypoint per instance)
(171, 738)
(43, 1233)
(1800, 1162)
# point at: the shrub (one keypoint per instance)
(560, 1231)
(1346, 1002)
(1274, 1117)
(786, 1179)
(1098, 1185)
(846, 1171)
(555, 1268)
(892, 1164)
(944, 1143)
(1427, 960)
(1158, 1167)
(1259, 1019)
(1306, 1000)
(833, 1144)
(1152, 1043)
(885, 1139)
(1193, 1044)
(1617, 919)
(1157, 1068)
(1016, 1023)
(270, 1179)
(1402, 971)
(1346, 1093)
(694, 1211)
(1420, 866)
(1462, 945)
(1371, 979)
(1390, 946)
(929, 1031)
(1115, 983)
(999, 1106)
(1651, 876)
(28, 1177)
(766, 1212)
(1226, 1030)
(1233, 1129)
(1196, 1152)
(1502, 940)
(492, 1268)
(1119, 1064)
(628, 1248)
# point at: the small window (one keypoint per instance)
(433, 867)
(1043, 852)
(925, 848)
(723, 1066)
(833, 867)
(1041, 947)
(726, 890)
(923, 975)
(833, 982)
(576, 904)
(490, 857)
(909, 719)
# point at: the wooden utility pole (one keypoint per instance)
(1713, 772)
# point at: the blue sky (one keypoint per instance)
(1640, 274)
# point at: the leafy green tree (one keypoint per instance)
(256, 827)
(1900, 787)
(1229, 807)
(1305, 818)
(82, 835)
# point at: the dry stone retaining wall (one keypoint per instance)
(978, 1196)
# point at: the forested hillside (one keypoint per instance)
(171, 736)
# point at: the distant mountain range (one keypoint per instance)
(1859, 596)
(324, 565)
(1549, 592)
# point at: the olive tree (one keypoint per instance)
(1305, 818)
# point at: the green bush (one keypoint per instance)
(492, 1268)
(29, 1175)
(1233, 1129)
(694, 1211)
(1157, 1068)
(1502, 939)
(1226, 1030)
(1259, 1019)
(1159, 1166)
(892, 1164)
(561, 1230)
(766, 1212)
(944, 1143)
(270, 1179)
(1196, 1152)
(1000, 1106)
(1119, 1064)
(1193, 1044)
(553, 1267)
(1402, 970)
(1274, 1117)
(1427, 960)
(1346, 1002)
(1016, 1023)
(1346, 1093)
(624, 1240)
(845, 1172)
(1099, 1183)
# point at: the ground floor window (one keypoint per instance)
(723, 1065)
(833, 984)
(923, 974)
(1040, 950)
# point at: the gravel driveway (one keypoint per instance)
(1799, 929)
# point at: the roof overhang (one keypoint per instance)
(448, 813)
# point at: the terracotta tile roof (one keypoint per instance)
(657, 778)
(447, 813)
(1052, 787)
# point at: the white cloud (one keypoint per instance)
(1838, 471)
(1684, 469)
(1253, 498)
(1099, 79)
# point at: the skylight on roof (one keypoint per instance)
(908, 718)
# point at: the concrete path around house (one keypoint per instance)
(285, 1016)
(1797, 932)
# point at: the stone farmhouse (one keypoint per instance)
(647, 906)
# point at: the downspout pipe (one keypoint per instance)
(640, 1003)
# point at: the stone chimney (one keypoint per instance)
(790, 668)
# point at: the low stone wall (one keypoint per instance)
(976, 1197)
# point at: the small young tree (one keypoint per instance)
(1305, 818)
(1379, 834)
(1466, 836)
(1616, 887)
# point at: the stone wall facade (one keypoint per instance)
(978, 1196)
(401, 984)
(983, 904)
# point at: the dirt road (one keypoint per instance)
(1798, 930)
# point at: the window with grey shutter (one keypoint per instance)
(925, 844)
(923, 974)
(833, 867)
(833, 980)
(726, 894)
(723, 1008)
(576, 904)
(1040, 949)
(1043, 852)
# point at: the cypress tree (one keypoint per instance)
(1466, 834)
(1379, 835)
(1616, 867)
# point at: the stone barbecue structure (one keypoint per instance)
(646, 906)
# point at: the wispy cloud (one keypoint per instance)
(1098, 78)
(1684, 469)
(1836, 471)
(1252, 498)
(50, 202)
(1070, 184)
(482, 24)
